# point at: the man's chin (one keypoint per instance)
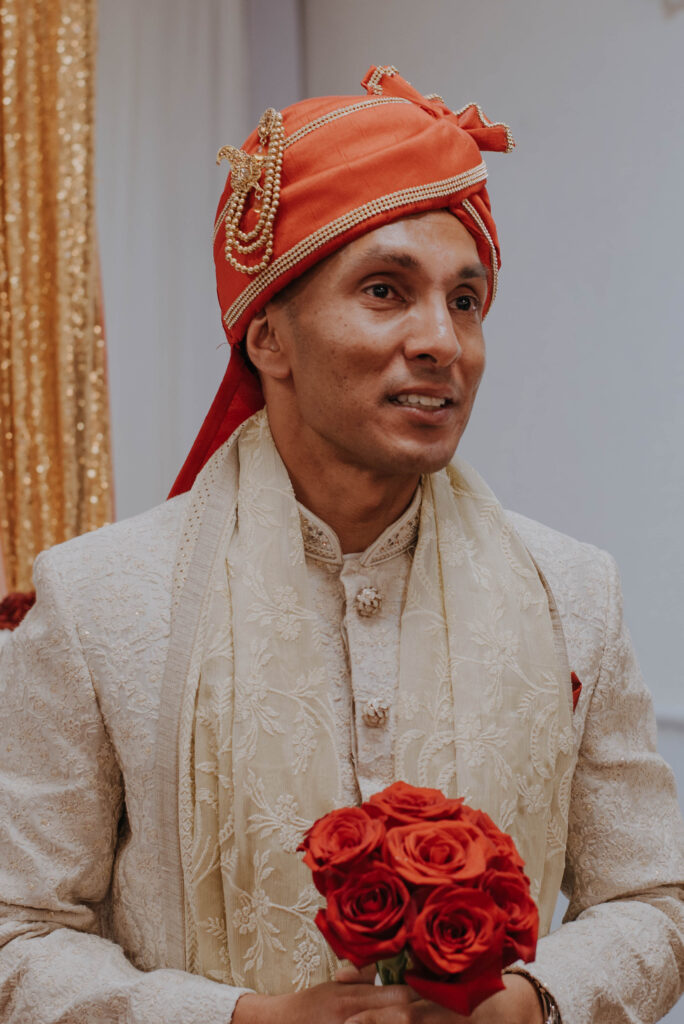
(434, 465)
(423, 460)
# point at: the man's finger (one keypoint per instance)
(417, 1011)
(387, 1015)
(348, 973)
(391, 1005)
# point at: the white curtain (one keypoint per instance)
(172, 89)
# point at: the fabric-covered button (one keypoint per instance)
(368, 601)
(375, 713)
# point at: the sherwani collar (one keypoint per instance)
(322, 543)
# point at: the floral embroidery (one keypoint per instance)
(273, 759)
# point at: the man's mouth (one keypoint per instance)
(420, 401)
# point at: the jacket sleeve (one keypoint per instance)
(60, 803)
(619, 955)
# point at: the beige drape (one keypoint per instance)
(257, 748)
(55, 460)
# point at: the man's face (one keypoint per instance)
(384, 347)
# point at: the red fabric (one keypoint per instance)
(238, 397)
(338, 167)
(576, 689)
(14, 607)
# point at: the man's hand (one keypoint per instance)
(353, 999)
(352, 995)
(517, 1004)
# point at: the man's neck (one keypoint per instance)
(354, 502)
(355, 509)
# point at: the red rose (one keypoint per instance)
(435, 852)
(401, 804)
(504, 856)
(458, 936)
(338, 840)
(511, 893)
(364, 920)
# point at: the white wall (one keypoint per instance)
(580, 420)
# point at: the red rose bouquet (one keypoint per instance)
(426, 887)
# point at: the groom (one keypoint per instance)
(336, 603)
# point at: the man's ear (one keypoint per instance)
(264, 345)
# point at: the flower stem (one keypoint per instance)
(392, 971)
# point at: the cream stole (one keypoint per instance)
(483, 708)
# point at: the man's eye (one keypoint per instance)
(466, 303)
(379, 291)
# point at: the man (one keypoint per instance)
(336, 603)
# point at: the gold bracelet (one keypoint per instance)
(548, 1004)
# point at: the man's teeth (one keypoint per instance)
(426, 400)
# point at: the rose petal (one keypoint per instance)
(401, 804)
(364, 919)
(432, 853)
(340, 839)
(460, 995)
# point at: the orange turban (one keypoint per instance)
(318, 175)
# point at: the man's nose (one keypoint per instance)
(433, 336)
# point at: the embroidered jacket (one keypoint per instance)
(85, 913)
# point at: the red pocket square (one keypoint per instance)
(576, 689)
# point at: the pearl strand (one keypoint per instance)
(271, 131)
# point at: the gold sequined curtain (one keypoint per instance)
(55, 463)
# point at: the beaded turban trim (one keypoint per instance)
(320, 173)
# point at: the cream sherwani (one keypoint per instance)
(90, 924)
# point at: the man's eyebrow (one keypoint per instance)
(407, 261)
(474, 270)
(397, 257)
